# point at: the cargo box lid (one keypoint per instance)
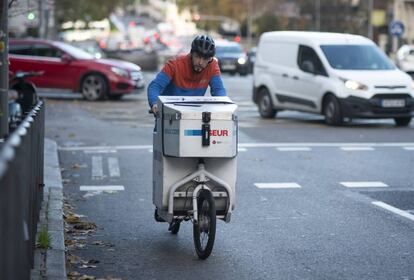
(193, 107)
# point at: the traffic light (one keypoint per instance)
(31, 16)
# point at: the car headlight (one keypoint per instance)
(354, 85)
(120, 72)
(241, 60)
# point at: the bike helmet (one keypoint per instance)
(204, 46)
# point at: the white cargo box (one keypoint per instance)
(198, 126)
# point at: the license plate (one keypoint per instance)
(388, 103)
(228, 66)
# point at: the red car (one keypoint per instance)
(68, 67)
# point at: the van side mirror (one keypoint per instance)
(308, 66)
(66, 58)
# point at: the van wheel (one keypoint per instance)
(332, 111)
(404, 121)
(265, 104)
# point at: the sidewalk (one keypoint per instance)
(50, 264)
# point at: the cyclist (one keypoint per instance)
(189, 75)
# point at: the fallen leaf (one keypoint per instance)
(72, 219)
(86, 277)
(69, 242)
(98, 243)
(73, 274)
(72, 259)
(85, 226)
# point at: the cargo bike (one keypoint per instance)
(194, 165)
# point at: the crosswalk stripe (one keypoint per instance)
(101, 188)
(113, 167)
(408, 148)
(364, 184)
(293, 149)
(103, 151)
(277, 185)
(357, 148)
(97, 170)
(408, 145)
(394, 210)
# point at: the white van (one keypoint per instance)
(337, 75)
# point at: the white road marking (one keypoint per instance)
(101, 188)
(103, 151)
(241, 149)
(150, 150)
(408, 148)
(113, 167)
(322, 144)
(97, 170)
(357, 148)
(409, 145)
(293, 149)
(394, 210)
(92, 148)
(277, 185)
(364, 184)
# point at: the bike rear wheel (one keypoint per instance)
(204, 229)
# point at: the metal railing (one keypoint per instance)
(21, 194)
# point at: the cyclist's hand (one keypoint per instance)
(154, 109)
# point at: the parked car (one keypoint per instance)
(68, 67)
(405, 59)
(251, 58)
(231, 57)
(337, 75)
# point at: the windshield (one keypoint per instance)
(228, 49)
(356, 57)
(75, 52)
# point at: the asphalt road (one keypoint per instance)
(313, 201)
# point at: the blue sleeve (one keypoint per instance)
(157, 86)
(216, 86)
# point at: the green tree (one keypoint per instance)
(86, 10)
(267, 22)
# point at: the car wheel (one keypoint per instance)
(265, 104)
(94, 87)
(404, 121)
(332, 111)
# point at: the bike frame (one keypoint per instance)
(201, 176)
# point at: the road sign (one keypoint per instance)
(396, 28)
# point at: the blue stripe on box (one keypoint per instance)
(192, 132)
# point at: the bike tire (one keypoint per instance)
(204, 230)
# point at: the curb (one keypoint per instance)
(51, 263)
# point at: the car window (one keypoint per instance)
(356, 57)
(73, 51)
(229, 49)
(308, 54)
(22, 49)
(46, 51)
